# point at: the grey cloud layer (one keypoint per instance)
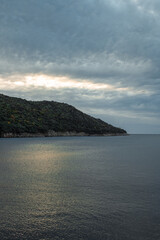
(107, 41)
(63, 31)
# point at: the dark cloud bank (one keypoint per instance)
(103, 41)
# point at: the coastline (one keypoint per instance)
(56, 134)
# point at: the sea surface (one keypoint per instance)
(68, 188)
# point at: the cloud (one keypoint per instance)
(102, 43)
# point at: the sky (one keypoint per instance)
(101, 56)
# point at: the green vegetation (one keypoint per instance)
(19, 116)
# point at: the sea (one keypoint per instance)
(88, 188)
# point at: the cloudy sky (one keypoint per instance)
(101, 56)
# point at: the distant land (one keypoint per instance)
(22, 118)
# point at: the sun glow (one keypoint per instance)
(61, 82)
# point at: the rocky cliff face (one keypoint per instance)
(19, 117)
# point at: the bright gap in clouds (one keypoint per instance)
(61, 82)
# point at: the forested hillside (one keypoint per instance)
(22, 116)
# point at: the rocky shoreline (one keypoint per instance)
(55, 134)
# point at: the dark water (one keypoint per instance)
(80, 188)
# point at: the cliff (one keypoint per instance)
(22, 118)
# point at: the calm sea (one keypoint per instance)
(80, 188)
